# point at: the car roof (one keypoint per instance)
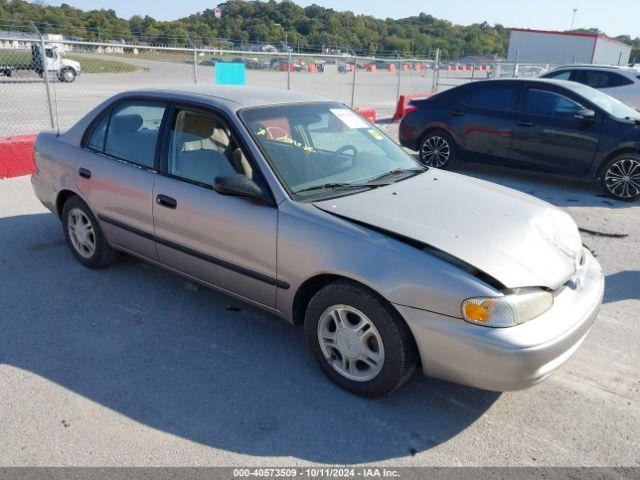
(547, 81)
(234, 97)
(617, 68)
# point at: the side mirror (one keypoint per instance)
(237, 185)
(586, 115)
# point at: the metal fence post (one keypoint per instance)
(195, 60)
(289, 71)
(45, 72)
(399, 80)
(515, 65)
(353, 83)
(436, 71)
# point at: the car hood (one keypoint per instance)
(515, 238)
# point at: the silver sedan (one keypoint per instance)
(299, 206)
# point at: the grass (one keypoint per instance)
(87, 64)
(15, 57)
(97, 65)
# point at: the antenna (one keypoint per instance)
(573, 18)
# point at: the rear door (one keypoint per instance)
(488, 114)
(547, 135)
(116, 171)
(226, 241)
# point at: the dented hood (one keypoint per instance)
(515, 238)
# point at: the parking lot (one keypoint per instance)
(133, 365)
(26, 99)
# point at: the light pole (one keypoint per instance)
(573, 18)
(286, 36)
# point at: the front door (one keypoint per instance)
(550, 136)
(226, 241)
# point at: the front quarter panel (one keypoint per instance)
(312, 242)
(618, 136)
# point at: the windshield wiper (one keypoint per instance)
(326, 186)
(394, 172)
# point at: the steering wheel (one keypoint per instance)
(273, 130)
(343, 150)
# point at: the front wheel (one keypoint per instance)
(358, 340)
(67, 75)
(621, 177)
(438, 150)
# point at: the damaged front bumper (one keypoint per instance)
(511, 358)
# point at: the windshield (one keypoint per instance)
(319, 150)
(609, 104)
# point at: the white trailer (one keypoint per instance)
(541, 46)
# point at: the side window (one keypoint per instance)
(502, 98)
(561, 75)
(98, 135)
(617, 80)
(201, 148)
(133, 132)
(550, 104)
(601, 79)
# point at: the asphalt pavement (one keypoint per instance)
(135, 366)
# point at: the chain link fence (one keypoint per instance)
(50, 80)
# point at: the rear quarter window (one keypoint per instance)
(500, 98)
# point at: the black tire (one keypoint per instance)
(433, 148)
(400, 355)
(67, 75)
(620, 178)
(102, 254)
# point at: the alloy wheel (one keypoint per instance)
(622, 178)
(81, 233)
(351, 343)
(435, 151)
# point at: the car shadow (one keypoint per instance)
(557, 190)
(194, 363)
(623, 285)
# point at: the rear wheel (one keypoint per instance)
(621, 177)
(438, 150)
(84, 237)
(359, 341)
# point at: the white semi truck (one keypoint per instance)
(66, 70)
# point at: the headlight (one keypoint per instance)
(512, 309)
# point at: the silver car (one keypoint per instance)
(299, 206)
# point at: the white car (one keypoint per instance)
(622, 83)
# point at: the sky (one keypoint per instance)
(614, 17)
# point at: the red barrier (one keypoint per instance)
(16, 156)
(312, 68)
(367, 113)
(403, 101)
(392, 68)
(371, 68)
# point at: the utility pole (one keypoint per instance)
(573, 18)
